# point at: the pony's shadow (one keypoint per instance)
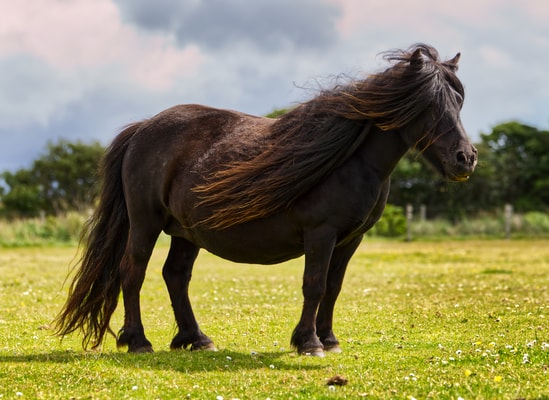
(181, 361)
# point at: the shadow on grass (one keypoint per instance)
(181, 361)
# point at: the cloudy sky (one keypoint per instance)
(81, 69)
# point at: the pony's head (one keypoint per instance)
(437, 131)
(420, 97)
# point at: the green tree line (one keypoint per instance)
(513, 168)
(62, 179)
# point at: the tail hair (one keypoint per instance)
(95, 288)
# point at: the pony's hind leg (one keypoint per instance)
(132, 270)
(177, 273)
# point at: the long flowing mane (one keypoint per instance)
(313, 139)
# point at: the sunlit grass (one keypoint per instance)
(465, 319)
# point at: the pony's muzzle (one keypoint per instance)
(465, 163)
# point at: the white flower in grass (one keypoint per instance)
(411, 377)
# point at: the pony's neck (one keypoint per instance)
(382, 150)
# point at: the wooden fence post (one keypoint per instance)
(409, 217)
(508, 214)
(423, 213)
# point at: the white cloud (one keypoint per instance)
(79, 36)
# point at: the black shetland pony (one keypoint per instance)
(258, 190)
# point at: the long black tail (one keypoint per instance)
(95, 288)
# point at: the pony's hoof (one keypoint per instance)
(140, 350)
(205, 347)
(315, 352)
(333, 349)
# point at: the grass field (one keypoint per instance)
(440, 320)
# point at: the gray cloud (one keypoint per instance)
(29, 91)
(267, 25)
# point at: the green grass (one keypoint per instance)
(457, 319)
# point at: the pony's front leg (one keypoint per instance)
(338, 265)
(318, 251)
(133, 267)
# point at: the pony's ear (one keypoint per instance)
(453, 63)
(417, 61)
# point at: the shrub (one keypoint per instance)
(38, 231)
(392, 223)
(536, 223)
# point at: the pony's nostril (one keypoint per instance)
(473, 159)
(466, 159)
(474, 156)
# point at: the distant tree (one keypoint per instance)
(412, 182)
(277, 112)
(513, 168)
(63, 179)
(23, 197)
(67, 175)
(417, 183)
(518, 156)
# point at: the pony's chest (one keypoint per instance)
(362, 213)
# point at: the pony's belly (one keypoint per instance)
(255, 242)
(252, 257)
(251, 249)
